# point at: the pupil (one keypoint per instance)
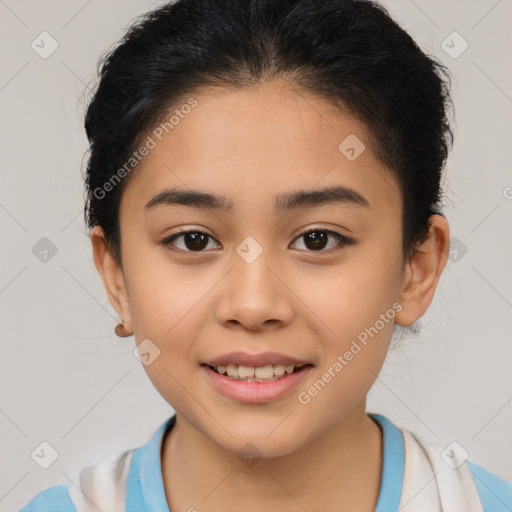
(199, 240)
(318, 239)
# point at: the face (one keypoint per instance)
(304, 280)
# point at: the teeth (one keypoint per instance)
(259, 373)
(245, 371)
(264, 372)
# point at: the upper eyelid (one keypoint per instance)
(307, 230)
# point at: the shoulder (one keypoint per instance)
(53, 499)
(460, 484)
(495, 493)
(102, 483)
(452, 466)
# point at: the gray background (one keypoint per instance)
(65, 377)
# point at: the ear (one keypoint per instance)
(112, 276)
(422, 272)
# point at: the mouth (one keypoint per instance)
(255, 384)
(266, 373)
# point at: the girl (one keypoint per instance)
(263, 194)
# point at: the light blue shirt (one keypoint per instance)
(145, 489)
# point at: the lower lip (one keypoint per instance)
(256, 392)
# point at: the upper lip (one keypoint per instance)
(263, 359)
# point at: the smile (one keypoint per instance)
(255, 384)
(267, 373)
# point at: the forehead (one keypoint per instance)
(252, 143)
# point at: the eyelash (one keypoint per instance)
(343, 240)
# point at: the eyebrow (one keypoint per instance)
(300, 199)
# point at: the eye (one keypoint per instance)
(194, 240)
(316, 240)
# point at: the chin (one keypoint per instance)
(259, 438)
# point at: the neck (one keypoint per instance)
(340, 470)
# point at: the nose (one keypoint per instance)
(254, 295)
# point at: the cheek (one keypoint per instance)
(356, 306)
(165, 302)
(350, 297)
(161, 293)
(354, 323)
(358, 316)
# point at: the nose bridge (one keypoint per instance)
(252, 293)
(251, 272)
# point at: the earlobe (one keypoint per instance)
(112, 276)
(423, 271)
